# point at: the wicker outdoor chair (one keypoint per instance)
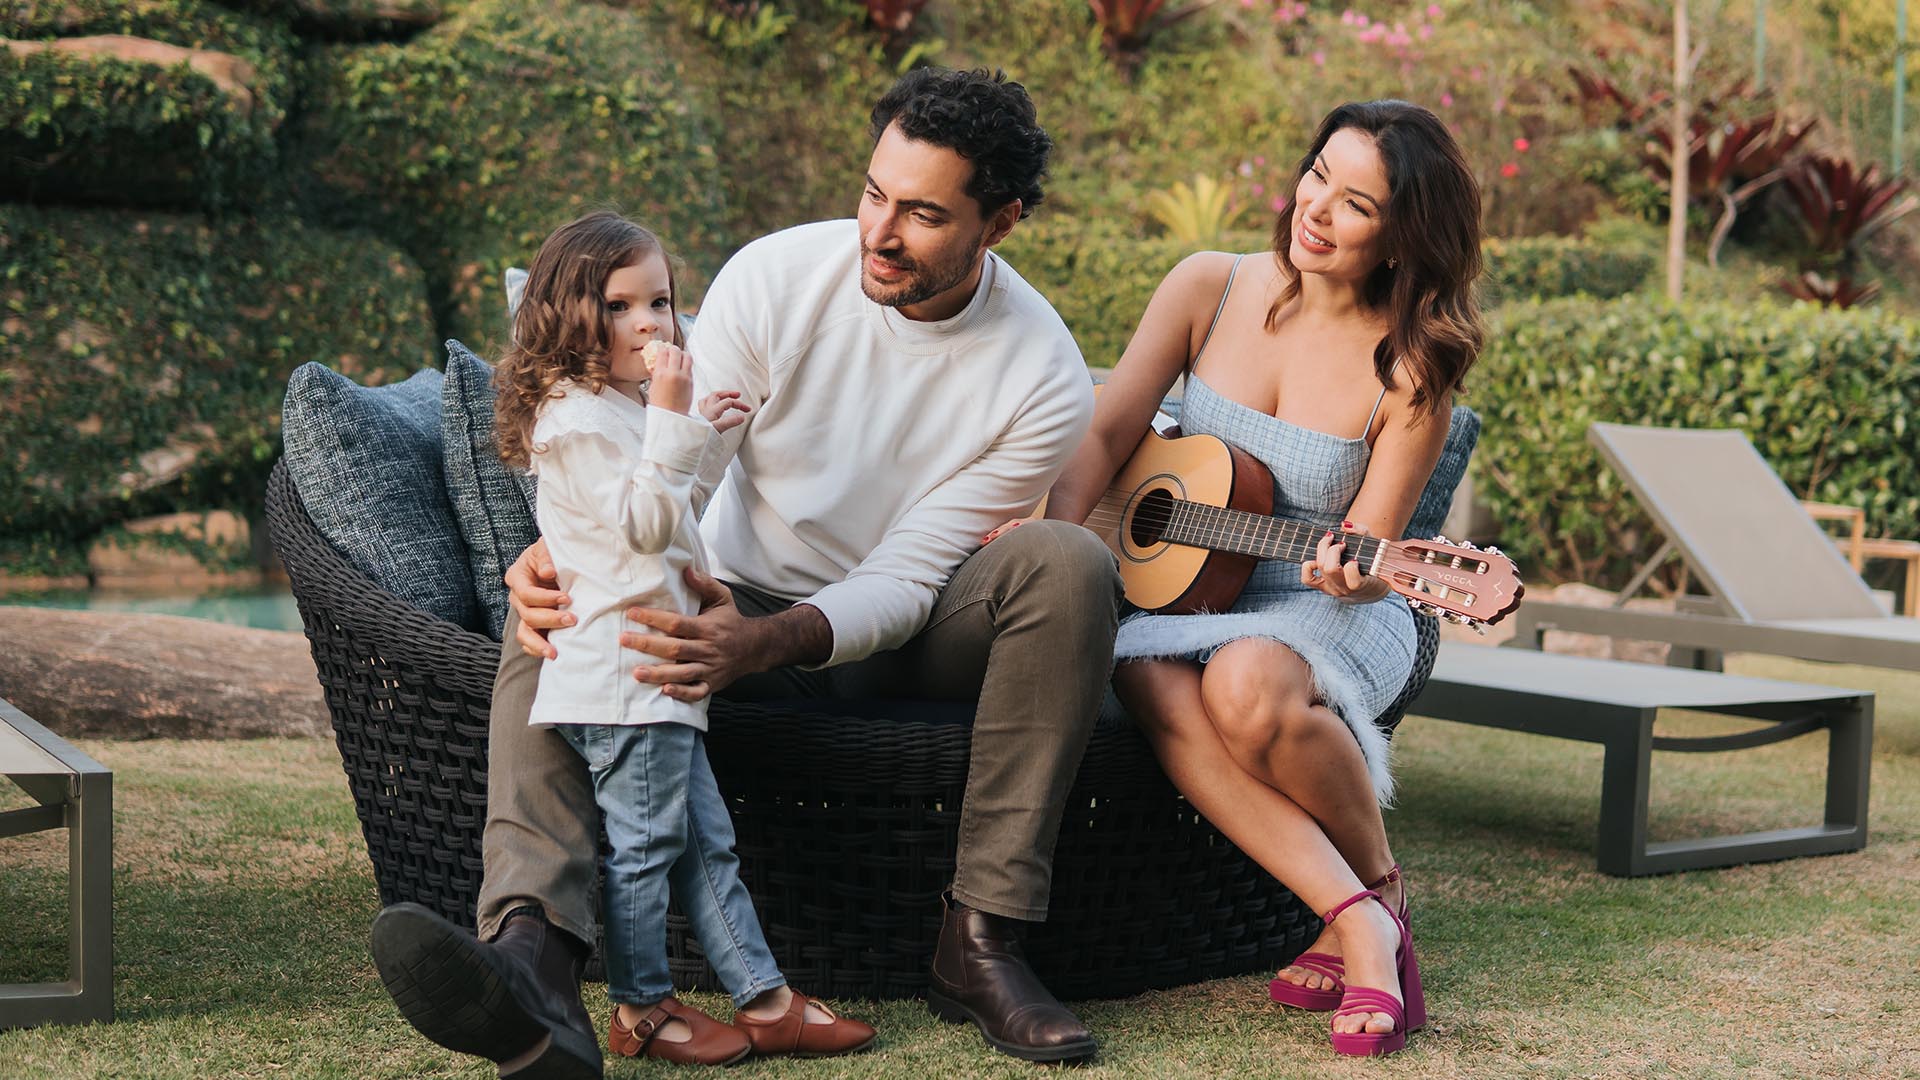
(846, 812)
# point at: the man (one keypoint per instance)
(908, 393)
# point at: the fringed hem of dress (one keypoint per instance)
(1185, 637)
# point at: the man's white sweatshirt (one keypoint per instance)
(879, 449)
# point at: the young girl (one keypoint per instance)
(594, 397)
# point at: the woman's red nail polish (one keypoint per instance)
(1346, 524)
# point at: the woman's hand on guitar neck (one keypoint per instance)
(1345, 582)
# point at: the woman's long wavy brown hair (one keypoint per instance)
(562, 329)
(1431, 237)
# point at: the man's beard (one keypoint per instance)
(923, 281)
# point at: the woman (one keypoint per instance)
(1333, 359)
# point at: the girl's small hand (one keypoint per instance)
(724, 410)
(672, 373)
(1342, 581)
(1003, 530)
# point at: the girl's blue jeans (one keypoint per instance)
(669, 829)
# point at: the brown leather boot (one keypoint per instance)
(980, 974)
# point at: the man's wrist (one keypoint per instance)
(798, 635)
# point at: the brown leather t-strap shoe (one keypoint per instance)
(790, 1033)
(713, 1043)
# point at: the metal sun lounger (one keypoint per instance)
(1777, 582)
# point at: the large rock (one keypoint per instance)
(117, 399)
(126, 676)
(193, 550)
(157, 103)
(472, 141)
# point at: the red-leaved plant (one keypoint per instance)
(1838, 292)
(1841, 206)
(1126, 25)
(893, 17)
(1733, 161)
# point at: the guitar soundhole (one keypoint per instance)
(1151, 516)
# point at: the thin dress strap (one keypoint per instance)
(1365, 431)
(1216, 315)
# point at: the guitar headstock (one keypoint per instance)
(1458, 582)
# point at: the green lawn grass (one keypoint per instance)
(243, 897)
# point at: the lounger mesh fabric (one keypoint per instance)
(846, 813)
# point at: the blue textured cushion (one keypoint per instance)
(493, 504)
(366, 461)
(1430, 513)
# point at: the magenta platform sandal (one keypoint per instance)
(1282, 992)
(1409, 1010)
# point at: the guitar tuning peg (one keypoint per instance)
(1478, 626)
(1492, 550)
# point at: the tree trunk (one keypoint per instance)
(1682, 157)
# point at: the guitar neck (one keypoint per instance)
(1220, 528)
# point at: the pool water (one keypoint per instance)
(270, 607)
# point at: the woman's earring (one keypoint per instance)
(1391, 263)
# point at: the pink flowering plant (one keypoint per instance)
(1478, 64)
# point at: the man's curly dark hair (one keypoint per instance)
(984, 117)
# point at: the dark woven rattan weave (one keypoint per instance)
(846, 824)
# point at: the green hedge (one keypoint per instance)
(1826, 397)
(796, 109)
(346, 18)
(105, 130)
(1548, 267)
(131, 339)
(1099, 275)
(471, 142)
(1207, 98)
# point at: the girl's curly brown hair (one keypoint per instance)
(562, 329)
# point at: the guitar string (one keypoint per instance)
(1271, 537)
(1205, 525)
(1269, 533)
(1293, 541)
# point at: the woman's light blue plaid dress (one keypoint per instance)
(1360, 654)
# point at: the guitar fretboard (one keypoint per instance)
(1223, 529)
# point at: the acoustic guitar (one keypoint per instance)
(1190, 516)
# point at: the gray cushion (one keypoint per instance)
(514, 281)
(1437, 497)
(494, 505)
(366, 461)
